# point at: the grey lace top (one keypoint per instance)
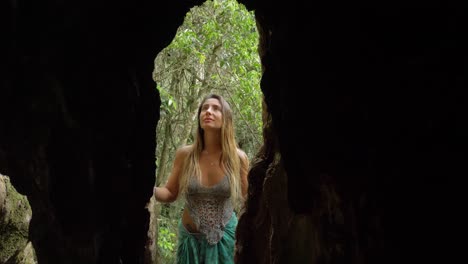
(210, 207)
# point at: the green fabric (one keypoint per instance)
(193, 248)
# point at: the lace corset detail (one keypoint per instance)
(210, 207)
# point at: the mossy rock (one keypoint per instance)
(15, 214)
(24, 256)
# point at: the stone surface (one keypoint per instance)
(15, 214)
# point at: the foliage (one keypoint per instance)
(167, 239)
(215, 50)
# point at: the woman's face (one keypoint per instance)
(211, 114)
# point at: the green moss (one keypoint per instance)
(14, 222)
(25, 256)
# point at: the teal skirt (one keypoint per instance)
(192, 248)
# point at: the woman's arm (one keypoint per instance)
(170, 191)
(244, 172)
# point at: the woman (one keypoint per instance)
(212, 176)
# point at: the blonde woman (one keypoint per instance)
(211, 174)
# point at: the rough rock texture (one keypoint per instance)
(78, 115)
(15, 215)
(25, 256)
(365, 142)
(365, 155)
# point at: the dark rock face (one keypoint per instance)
(367, 111)
(365, 132)
(78, 116)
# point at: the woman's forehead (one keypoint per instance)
(212, 101)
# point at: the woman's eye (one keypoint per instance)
(213, 108)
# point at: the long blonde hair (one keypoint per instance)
(230, 160)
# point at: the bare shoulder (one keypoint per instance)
(183, 151)
(242, 155)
